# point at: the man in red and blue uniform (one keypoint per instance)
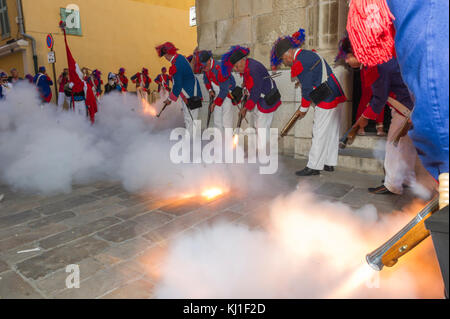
(368, 77)
(419, 31)
(219, 88)
(400, 160)
(163, 81)
(258, 84)
(96, 81)
(43, 82)
(185, 84)
(307, 66)
(142, 81)
(421, 43)
(123, 80)
(62, 81)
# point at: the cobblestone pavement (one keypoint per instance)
(118, 239)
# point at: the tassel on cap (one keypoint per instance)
(283, 44)
(230, 58)
(371, 31)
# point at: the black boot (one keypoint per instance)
(328, 168)
(380, 190)
(307, 172)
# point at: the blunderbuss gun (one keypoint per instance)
(405, 240)
(407, 125)
(348, 137)
(211, 102)
(273, 76)
(412, 234)
(236, 97)
(287, 128)
(162, 110)
(241, 117)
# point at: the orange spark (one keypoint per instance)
(212, 193)
(362, 276)
(148, 108)
(235, 140)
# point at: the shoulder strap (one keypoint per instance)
(39, 77)
(195, 89)
(324, 70)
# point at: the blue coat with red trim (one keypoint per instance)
(141, 77)
(258, 82)
(97, 83)
(183, 78)
(163, 78)
(43, 82)
(389, 82)
(310, 79)
(226, 85)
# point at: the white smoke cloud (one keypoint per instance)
(311, 249)
(47, 151)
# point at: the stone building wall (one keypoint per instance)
(257, 24)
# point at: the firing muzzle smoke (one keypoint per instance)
(46, 151)
(311, 249)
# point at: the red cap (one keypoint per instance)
(166, 48)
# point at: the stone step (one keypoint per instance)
(360, 160)
(368, 141)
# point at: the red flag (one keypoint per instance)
(76, 77)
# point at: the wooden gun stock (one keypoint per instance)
(287, 128)
(404, 241)
(406, 127)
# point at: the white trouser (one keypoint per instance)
(260, 120)
(400, 161)
(63, 98)
(187, 116)
(80, 108)
(163, 94)
(223, 115)
(325, 138)
(142, 95)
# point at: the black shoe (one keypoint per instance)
(403, 185)
(380, 190)
(307, 172)
(328, 168)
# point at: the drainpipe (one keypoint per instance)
(27, 36)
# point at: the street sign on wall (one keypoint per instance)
(71, 16)
(50, 42)
(51, 57)
(192, 17)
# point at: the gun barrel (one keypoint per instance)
(286, 129)
(162, 110)
(348, 137)
(404, 241)
(241, 118)
(239, 123)
(275, 75)
(209, 112)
